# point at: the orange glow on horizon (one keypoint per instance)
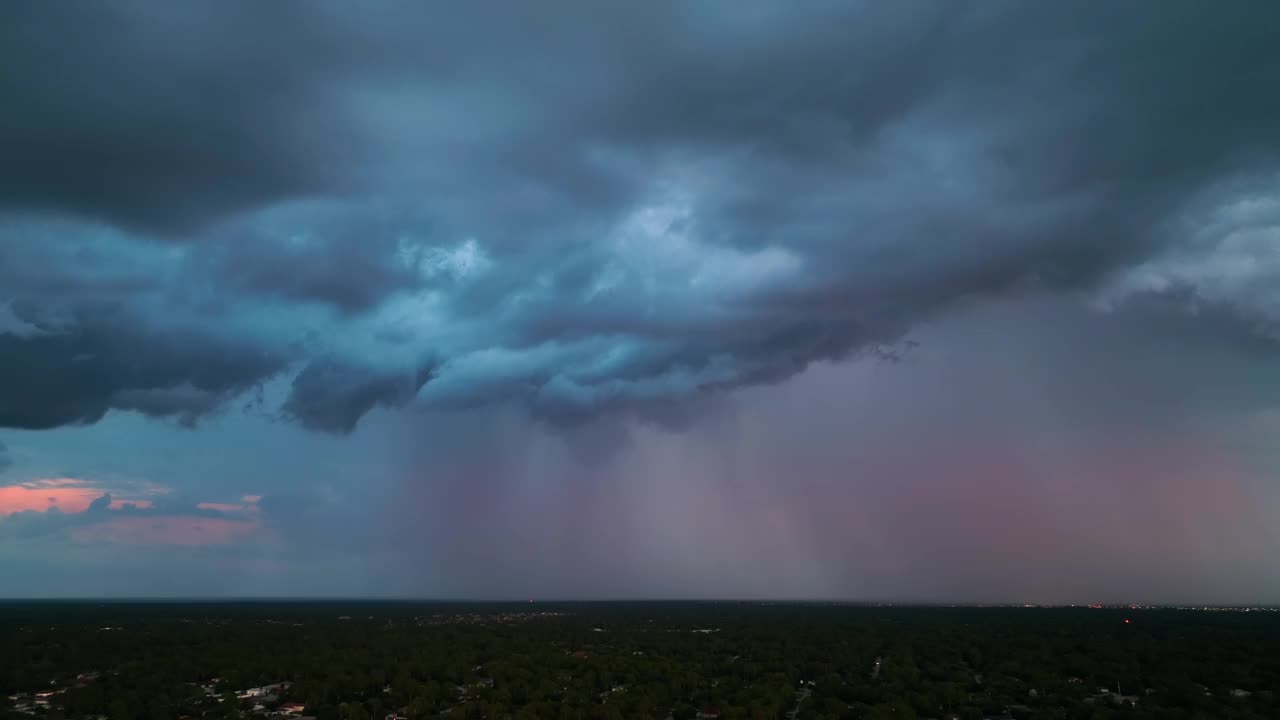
(68, 495)
(65, 494)
(72, 496)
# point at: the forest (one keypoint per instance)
(605, 661)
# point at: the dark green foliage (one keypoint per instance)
(613, 661)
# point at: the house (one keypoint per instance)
(1117, 697)
(264, 691)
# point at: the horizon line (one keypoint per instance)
(233, 599)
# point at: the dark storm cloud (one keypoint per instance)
(347, 258)
(332, 396)
(76, 375)
(351, 277)
(160, 118)
(940, 173)
(601, 208)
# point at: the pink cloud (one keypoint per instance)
(221, 507)
(73, 496)
(64, 494)
(68, 495)
(56, 483)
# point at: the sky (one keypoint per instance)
(915, 301)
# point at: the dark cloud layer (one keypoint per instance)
(75, 376)
(598, 209)
(331, 396)
(160, 119)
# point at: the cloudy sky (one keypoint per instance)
(912, 300)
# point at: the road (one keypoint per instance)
(801, 695)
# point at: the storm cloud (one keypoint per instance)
(327, 395)
(624, 207)
(147, 118)
(75, 376)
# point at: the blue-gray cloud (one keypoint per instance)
(647, 205)
(332, 396)
(105, 361)
(152, 122)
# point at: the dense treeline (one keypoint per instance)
(648, 660)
